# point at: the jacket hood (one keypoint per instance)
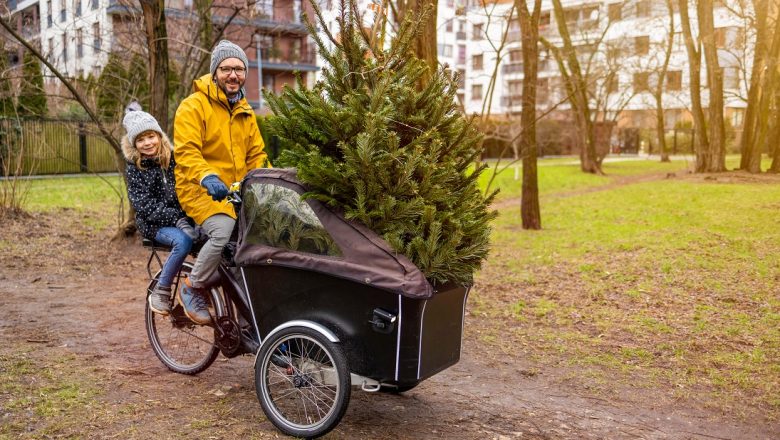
(205, 84)
(131, 153)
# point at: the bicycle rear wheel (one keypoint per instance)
(181, 345)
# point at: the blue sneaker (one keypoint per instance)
(194, 303)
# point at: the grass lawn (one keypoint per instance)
(668, 283)
(558, 175)
(671, 283)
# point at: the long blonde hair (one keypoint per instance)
(163, 153)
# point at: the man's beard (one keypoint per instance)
(224, 88)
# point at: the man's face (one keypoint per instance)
(231, 75)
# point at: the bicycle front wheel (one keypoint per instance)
(181, 345)
(303, 382)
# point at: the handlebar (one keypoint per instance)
(234, 194)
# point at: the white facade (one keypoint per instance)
(76, 35)
(473, 36)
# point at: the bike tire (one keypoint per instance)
(181, 345)
(302, 382)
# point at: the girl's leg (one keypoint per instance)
(181, 244)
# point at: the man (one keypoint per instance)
(217, 142)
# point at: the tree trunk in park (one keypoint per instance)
(425, 47)
(578, 96)
(715, 161)
(751, 154)
(157, 40)
(765, 117)
(529, 27)
(658, 92)
(701, 146)
(774, 146)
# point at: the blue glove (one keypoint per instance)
(216, 189)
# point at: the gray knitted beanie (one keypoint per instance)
(137, 121)
(224, 50)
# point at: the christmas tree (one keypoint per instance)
(388, 151)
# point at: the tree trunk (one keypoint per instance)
(774, 145)
(589, 161)
(529, 26)
(764, 140)
(658, 93)
(716, 159)
(755, 92)
(701, 146)
(157, 39)
(425, 47)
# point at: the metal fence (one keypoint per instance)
(49, 146)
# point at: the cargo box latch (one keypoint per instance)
(383, 321)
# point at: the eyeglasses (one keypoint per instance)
(225, 70)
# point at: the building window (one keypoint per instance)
(77, 7)
(445, 50)
(461, 54)
(737, 117)
(49, 20)
(265, 8)
(63, 10)
(641, 82)
(479, 30)
(673, 80)
(514, 33)
(64, 47)
(476, 62)
(542, 90)
(448, 25)
(643, 8)
(94, 4)
(731, 78)
(476, 92)
(642, 45)
(96, 39)
(79, 43)
(613, 82)
(515, 55)
(515, 90)
(615, 12)
(544, 20)
(614, 51)
(50, 54)
(461, 78)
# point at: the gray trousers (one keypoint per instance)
(218, 227)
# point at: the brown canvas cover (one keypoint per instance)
(278, 228)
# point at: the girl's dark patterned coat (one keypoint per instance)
(152, 191)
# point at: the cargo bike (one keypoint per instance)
(324, 305)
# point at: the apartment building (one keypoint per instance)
(621, 43)
(78, 35)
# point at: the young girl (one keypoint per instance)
(152, 193)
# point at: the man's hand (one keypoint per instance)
(216, 189)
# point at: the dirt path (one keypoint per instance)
(73, 320)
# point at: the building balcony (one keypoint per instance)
(510, 68)
(266, 24)
(286, 22)
(274, 59)
(511, 100)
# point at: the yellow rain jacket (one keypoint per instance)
(211, 138)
